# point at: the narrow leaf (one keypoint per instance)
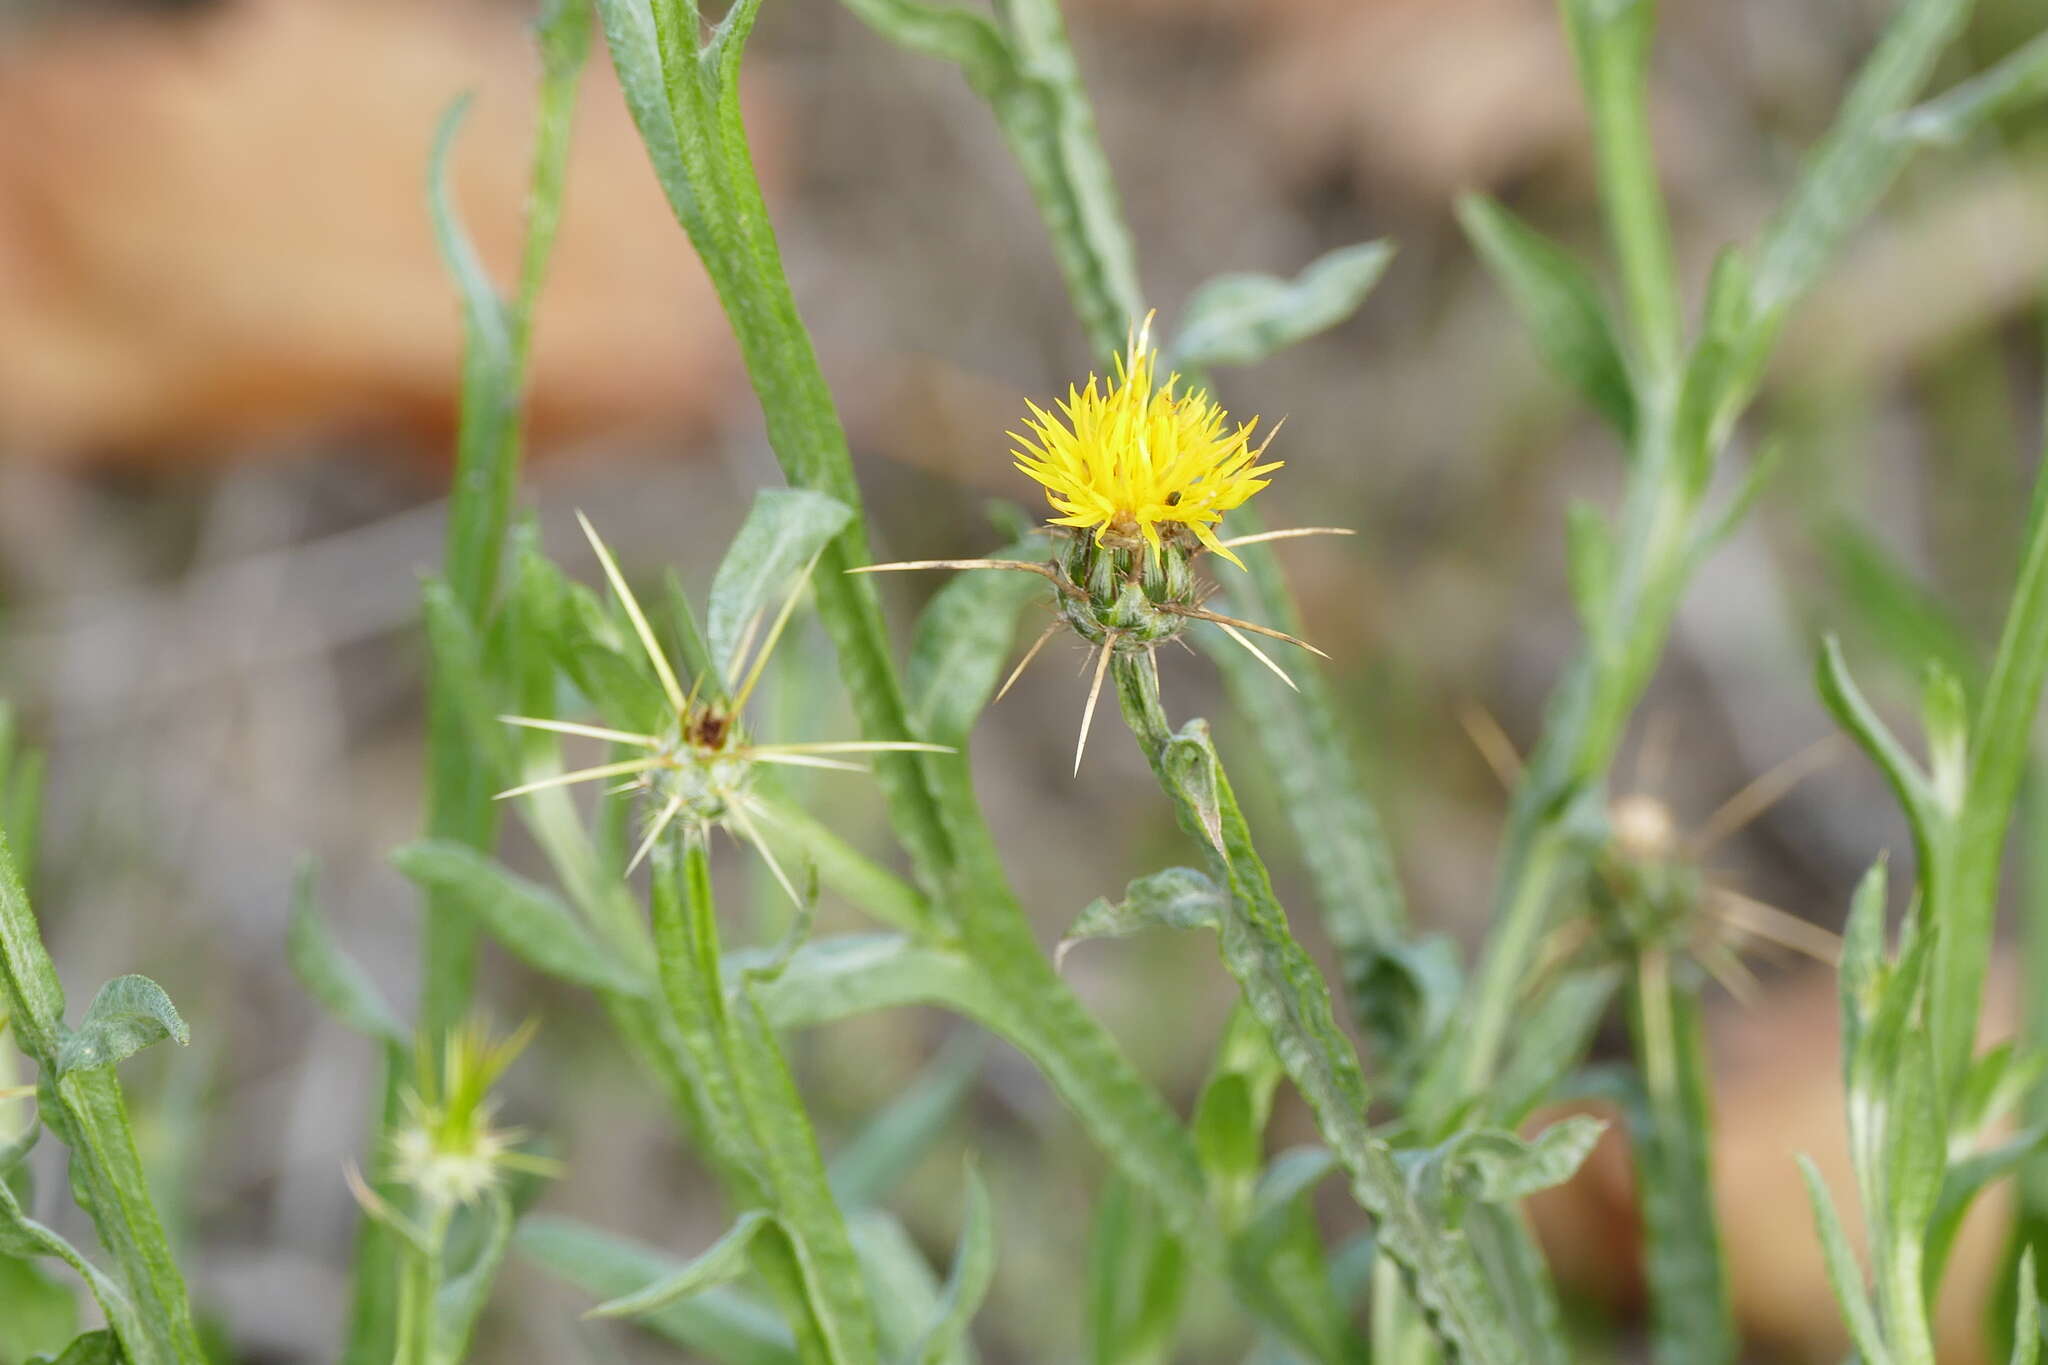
(1178, 898)
(1857, 160)
(720, 1323)
(128, 1014)
(974, 1263)
(2018, 80)
(721, 1263)
(2026, 1332)
(1243, 319)
(1560, 306)
(963, 642)
(1843, 1272)
(528, 919)
(900, 1281)
(94, 1348)
(330, 975)
(1860, 719)
(784, 531)
(894, 1142)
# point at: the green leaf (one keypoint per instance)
(1610, 42)
(467, 1290)
(957, 35)
(848, 974)
(1844, 1274)
(94, 1348)
(1494, 1166)
(963, 640)
(1589, 546)
(896, 1141)
(22, 1236)
(2018, 80)
(1945, 716)
(1283, 988)
(330, 975)
(466, 683)
(41, 1314)
(1552, 1039)
(1893, 608)
(1560, 306)
(679, 630)
(1965, 901)
(528, 919)
(1856, 715)
(974, 1264)
(128, 1014)
(1857, 161)
(1722, 373)
(1231, 1115)
(1278, 1266)
(1692, 1322)
(29, 988)
(795, 1172)
(630, 35)
(1243, 319)
(481, 508)
(721, 1324)
(722, 1262)
(2026, 1332)
(1136, 1279)
(1863, 962)
(21, 792)
(846, 870)
(805, 1208)
(1964, 1180)
(16, 1149)
(1311, 757)
(1998, 1080)
(783, 534)
(1177, 898)
(900, 1282)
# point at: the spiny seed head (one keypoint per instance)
(1136, 463)
(449, 1150)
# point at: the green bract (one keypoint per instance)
(1129, 596)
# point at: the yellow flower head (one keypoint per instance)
(1126, 458)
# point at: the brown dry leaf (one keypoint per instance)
(213, 234)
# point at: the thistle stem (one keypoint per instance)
(1290, 999)
(420, 1288)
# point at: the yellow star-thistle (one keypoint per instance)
(1127, 458)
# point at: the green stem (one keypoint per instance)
(1587, 720)
(1963, 887)
(699, 145)
(86, 1110)
(1612, 48)
(420, 1289)
(1289, 997)
(758, 1139)
(1691, 1320)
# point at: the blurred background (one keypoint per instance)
(228, 361)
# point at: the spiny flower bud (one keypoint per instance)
(449, 1150)
(699, 771)
(1133, 595)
